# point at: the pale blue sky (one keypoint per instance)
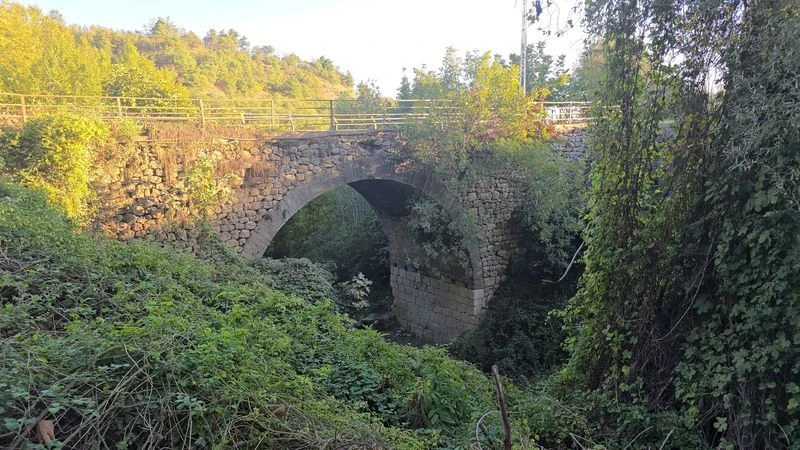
(372, 39)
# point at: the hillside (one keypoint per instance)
(41, 54)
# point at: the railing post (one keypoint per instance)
(384, 116)
(119, 107)
(272, 114)
(202, 113)
(22, 105)
(330, 106)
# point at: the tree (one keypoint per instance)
(133, 75)
(38, 54)
(404, 91)
(450, 71)
(543, 70)
(689, 295)
(426, 85)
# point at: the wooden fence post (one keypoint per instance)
(202, 113)
(272, 114)
(22, 105)
(330, 105)
(119, 107)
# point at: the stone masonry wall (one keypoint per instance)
(433, 309)
(571, 141)
(494, 202)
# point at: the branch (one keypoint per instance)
(503, 413)
(571, 262)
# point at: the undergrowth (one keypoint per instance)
(130, 346)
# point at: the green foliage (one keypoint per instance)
(56, 153)
(543, 70)
(742, 360)
(554, 206)
(559, 415)
(689, 300)
(357, 289)
(341, 230)
(583, 82)
(39, 54)
(133, 75)
(440, 237)
(518, 333)
(300, 277)
(204, 189)
(167, 350)
(488, 91)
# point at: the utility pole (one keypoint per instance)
(523, 54)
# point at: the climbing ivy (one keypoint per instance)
(689, 301)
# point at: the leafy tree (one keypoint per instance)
(404, 91)
(687, 301)
(133, 75)
(583, 82)
(427, 85)
(450, 71)
(38, 54)
(543, 70)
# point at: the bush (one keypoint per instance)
(558, 413)
(300, 277)
(56, 153)
(519, 332)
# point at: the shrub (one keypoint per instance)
(519, 334)
(300, 277)
(56, 153)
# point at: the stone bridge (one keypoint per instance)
(270, 179)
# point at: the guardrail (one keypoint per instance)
(273, 114)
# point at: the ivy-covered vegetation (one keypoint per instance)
(690, 303)
(40, 54)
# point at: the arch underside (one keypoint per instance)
(436, 305)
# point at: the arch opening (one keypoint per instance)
(436, 295)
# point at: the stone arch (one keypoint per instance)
(434, 308)
(352, 173)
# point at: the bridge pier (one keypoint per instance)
(433, 309)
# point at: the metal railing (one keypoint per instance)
(272, 114)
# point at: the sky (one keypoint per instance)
(374, 39)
